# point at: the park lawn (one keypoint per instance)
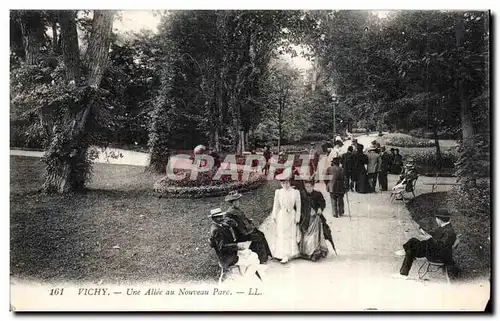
(473, 254)
(117, 231)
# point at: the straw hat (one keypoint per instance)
(216, 212)
(233, 196)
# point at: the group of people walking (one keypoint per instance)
(364, 168)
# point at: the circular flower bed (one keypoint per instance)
(204, 185)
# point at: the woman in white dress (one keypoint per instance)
(286, 217)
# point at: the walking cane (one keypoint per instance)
(348, 206)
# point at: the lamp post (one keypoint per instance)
(334, 105)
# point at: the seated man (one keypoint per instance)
(437, 245)
(406, 180)
(245, 228)
(229, 251)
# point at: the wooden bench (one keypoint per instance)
(440, 184)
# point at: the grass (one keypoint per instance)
(473, 254)
(116, 231)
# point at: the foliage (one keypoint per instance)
(402, 140)
(446, 133)
(473, 201)
(403, 65)
(315, 137)
(474, 161)
(425, 160)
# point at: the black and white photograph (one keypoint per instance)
(250, 160)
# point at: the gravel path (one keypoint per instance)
(361, 276)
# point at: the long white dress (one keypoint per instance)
(286, 215)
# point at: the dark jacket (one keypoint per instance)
(336, 184)
(244, 225)
(267, 155)
(347, 162)
(441, 243)
(223, 240)
(385, 162)
(315, 201)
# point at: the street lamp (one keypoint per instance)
(334, 105)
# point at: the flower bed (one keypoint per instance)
(205, 185)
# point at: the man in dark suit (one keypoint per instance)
(223, 239)
(436, 247)
(335, 186)
(348, 167)
(385, 161)
(313, 159)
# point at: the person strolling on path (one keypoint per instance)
(286, 217)
(391, 161)
(335, 187)
(312, 244)
(347, 162)
(360, 164)
(372, 168)
(397, 165)
(246, 230)
(267, 157)
(385, 160)
(436, 245)
(313, 159)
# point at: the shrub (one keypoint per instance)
(421, 133)
(425, 161)
(408, 141)
(314, 137)
(472, 201)
(359, 130)
(442, 134)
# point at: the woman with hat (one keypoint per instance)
(245, 229)
(286, 216)
(406, 179)
(313, 244)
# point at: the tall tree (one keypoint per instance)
(66, 159)
(32, 27)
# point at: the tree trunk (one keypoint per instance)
(32, 30)
(438, 151)
(55, 42)
(280, 122)
(69, 42)
(96, 56)
(465, 113)
(66, 159)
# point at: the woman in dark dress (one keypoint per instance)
(360, 160)
(246, 230)
(312, 245)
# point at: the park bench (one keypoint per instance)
(401, 193)
(434, 185)
(439, 265)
